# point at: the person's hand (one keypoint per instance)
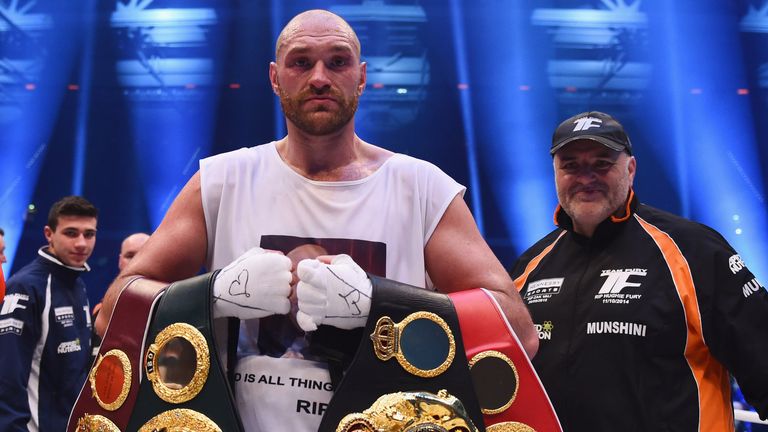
(255, 285)
(337, 294)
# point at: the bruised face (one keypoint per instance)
(318, 74)
(73, 239)
(592, 181)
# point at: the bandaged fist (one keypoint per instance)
(337, 294)
(255, 285)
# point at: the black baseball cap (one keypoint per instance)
(591, 125)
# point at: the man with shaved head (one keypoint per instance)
(130, 247)
(369, 208)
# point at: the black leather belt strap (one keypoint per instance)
(368, 377)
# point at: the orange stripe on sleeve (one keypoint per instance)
(520, 280)
(715, 410)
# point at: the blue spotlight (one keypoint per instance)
(169, 74)
(462, 73)
(84, 98)
(35, 62)
(595, 53)
(277, 25)
(396, 57)
(511, 97)
(711, 126)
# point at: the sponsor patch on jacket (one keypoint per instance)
(542, 290)
(544, 330)
(735, 263)
(64, 315)
(69, 346)
(14, 301)
(11, 325)
(617, 280)
(751, 287)
(616, 327)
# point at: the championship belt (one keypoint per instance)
(109, 394)
(185, 386)
(415, 346)
(411, 412)
(508, 389)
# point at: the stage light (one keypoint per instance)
(170, 80)
(276, 8)
(397, 59)
(462, 72)
(84, 98)
(36, 63)
(707, 141)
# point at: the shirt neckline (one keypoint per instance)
(327, 183)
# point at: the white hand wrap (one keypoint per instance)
(255, 285)
(337, 294)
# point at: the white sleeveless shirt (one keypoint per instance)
(250, 192)
(251, 197)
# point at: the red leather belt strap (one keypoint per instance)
(125, 332)
(485, 328)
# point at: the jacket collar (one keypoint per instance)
(607, 227)
(46, 254)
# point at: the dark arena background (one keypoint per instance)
(117, 100)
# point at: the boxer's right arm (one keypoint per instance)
(175, 251)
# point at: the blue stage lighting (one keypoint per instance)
(84, 98)
(169, 70)
(397, 65)
(277, 25)
(708, 137)
(35, 62)
(462, 72)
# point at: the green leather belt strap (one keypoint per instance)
(183, 369)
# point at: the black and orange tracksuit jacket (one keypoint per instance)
(640, 325)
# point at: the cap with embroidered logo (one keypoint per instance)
(591, 125)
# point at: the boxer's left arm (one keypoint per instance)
(458, 258)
